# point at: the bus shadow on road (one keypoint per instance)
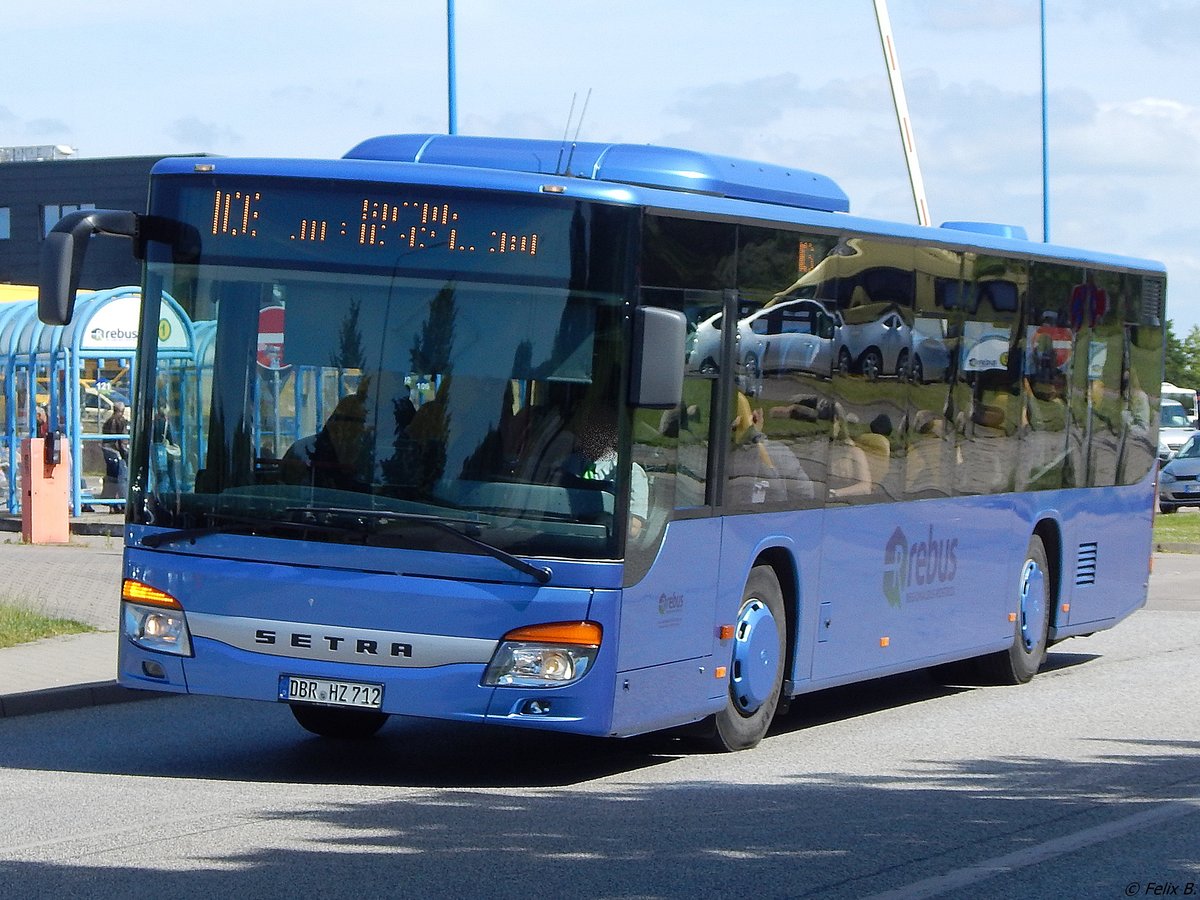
(231, 740)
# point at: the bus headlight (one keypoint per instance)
(549, 655)
(152, 628)
(154, 620)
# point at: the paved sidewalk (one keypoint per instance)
(80, 581)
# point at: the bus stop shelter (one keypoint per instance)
(77, 372)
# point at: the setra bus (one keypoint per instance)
(609, 439)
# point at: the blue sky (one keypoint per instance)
(785, 81)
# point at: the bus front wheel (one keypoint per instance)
(329, 721)
(1020, 662)
(756, 666)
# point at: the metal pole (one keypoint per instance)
(1045, 139)
(901, 104)
(451, 78)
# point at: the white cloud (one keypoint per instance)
(193, 134)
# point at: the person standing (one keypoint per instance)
(116, 456)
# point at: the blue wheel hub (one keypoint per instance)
(755, 656)
(1033, 605)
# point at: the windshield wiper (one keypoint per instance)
(541, 574)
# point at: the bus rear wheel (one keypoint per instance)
(329, 721)
(1020, 662)
(756, 666)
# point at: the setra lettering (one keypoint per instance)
(303, 640)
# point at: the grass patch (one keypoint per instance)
(1182, 527)
(20, 626)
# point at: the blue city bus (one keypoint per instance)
(610, 439)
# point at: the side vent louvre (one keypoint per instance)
(1152, 301)
(1085, 564)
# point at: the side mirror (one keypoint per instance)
(659, 339)
(63, 254)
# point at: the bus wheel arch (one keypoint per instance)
(1051, 535)
(1035, 601)
(760, 655)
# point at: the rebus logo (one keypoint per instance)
(113, 334)
(918, 571)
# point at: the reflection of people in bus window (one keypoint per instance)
(165, 452)
(849, 470)
(761, 470)
(1088, 304)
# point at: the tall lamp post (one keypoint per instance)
(1045, 139)
(451, 77)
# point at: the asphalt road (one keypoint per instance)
(1084, 783)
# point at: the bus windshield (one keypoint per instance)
(362, 388)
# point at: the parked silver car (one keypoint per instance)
(930, 359)
(878, 340)
(1179, 479)
(1174, 429)
(796, 335)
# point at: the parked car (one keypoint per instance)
(930, 355)
(704, 341)
(1179, 479)
(877, 341)
(796, 335)
(1174, 429)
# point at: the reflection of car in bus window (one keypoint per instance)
(797, 335)
(878, 339)
(930, 355)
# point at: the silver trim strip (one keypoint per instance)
(333, 643)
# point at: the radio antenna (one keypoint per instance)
(578, 126)
(566, 128)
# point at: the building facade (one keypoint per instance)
(37, 189)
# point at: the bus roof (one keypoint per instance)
(635, 164)
(661, 178)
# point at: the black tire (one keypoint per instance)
(760, 632)
(902, 366)
(844, 362)
(872, 364)
(1020, 662)
(1167, 508)
(330, 721)
(916, 370)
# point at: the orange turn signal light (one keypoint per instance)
(136, 592)
(725, 632)
(584, 634)
(885, 641)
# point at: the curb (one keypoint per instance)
(116, 528)
(75, 696)
(1175, 547)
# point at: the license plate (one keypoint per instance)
(329, 692)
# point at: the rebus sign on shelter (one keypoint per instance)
(116, 326)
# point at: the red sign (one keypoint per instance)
(270, 338)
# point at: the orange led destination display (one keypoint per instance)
(402, 224)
